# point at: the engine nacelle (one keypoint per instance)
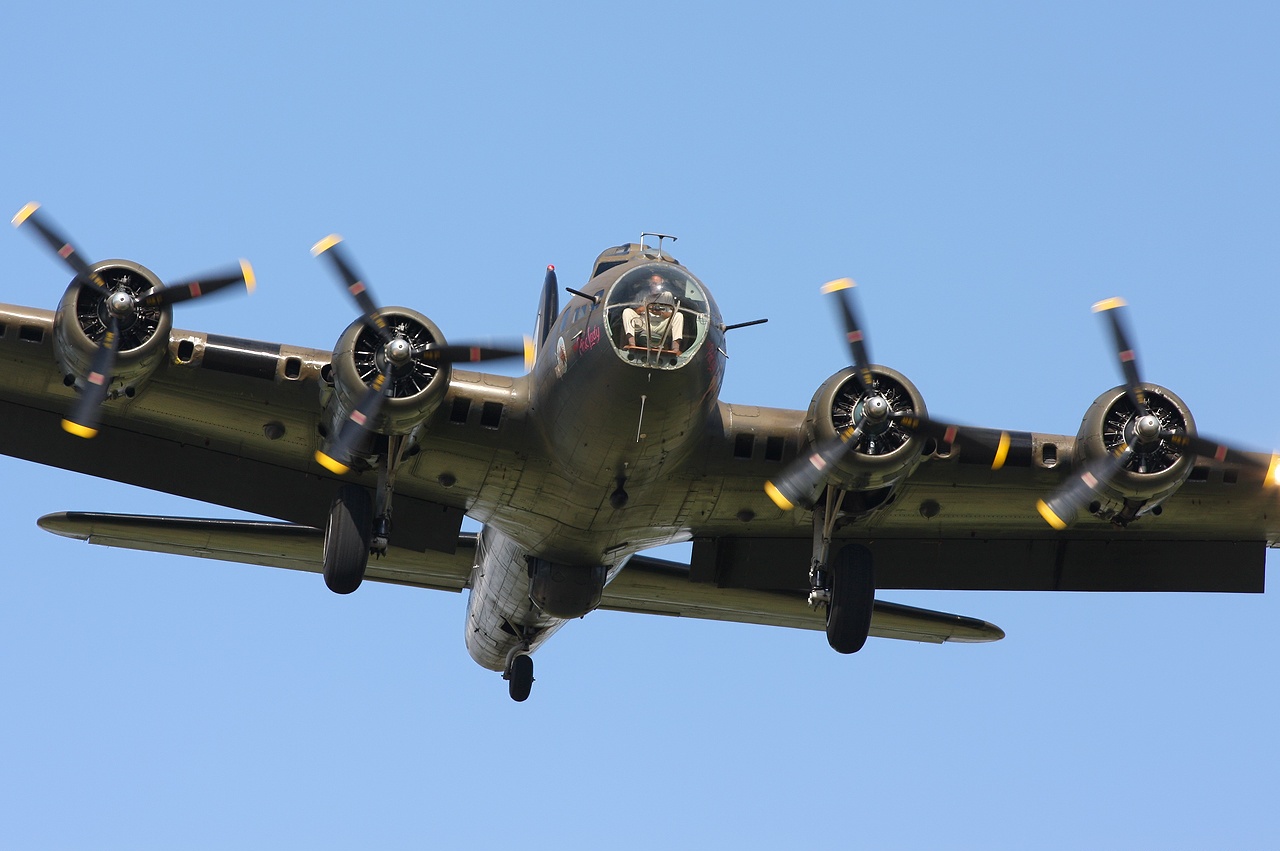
(1155, 471)
(80, 325)
(885, 454)
(416, 388)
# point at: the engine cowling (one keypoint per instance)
(80, 324)
(1155, 471)
(886, 453)
(415, 389)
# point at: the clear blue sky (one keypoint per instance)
(986, 171)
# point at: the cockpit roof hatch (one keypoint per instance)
(626, 252)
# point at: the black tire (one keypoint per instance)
(346, 539)
(853, 598)
(520, 677)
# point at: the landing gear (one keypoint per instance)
(853, 598)
(847, 586)
(519, 674)
(397, 446)
(346, 539)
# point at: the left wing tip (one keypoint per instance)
(60, 523)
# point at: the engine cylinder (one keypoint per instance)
(1157, 468)
(886, 453)
(81, 322)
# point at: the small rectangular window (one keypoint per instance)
(743, 445)
(773, 448)
(1049, 454)
(491, 414)
(31, 333)
(461, 408)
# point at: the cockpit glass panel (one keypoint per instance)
(658, 315)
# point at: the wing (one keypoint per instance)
(647, 585)
(234, 422)
(956, 523)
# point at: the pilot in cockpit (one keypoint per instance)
(656, 323)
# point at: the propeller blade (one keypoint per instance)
(985, 441)
(1206, 448)
(464, 353)
(1062, 506)
(1111, 307)
(802, 477)
(60, 245)
(853, 329)
(331, 247)
(355, 426)
(187, 290)
(84, 418)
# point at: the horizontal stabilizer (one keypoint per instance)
(659, 587)
(647, 585)
(269, 544)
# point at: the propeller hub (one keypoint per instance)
(1147, 428)
(121, 304)
(399, 351)
(875, 408)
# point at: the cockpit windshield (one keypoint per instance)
(658, 315)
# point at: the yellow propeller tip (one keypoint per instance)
(838, 284)
(530, 353)
(250, 279)
(1049, 517)
(1109, 304)
(1002, 451)
(777, 497)
(78, 430)
(330, 464)
(25, 213)
(325, 244)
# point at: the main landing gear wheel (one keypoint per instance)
(853, 597)
(346, 539)
(520, 677)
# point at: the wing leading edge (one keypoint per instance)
(646, 586)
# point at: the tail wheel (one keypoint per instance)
(853, 598)
(520, 677)
(346, 539)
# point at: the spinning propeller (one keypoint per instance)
(1145, 434)
(400, 353)
(123, 307)
(872, 415)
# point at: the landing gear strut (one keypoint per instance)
(845, 586)
(397, 446)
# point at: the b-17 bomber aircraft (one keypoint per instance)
(614, 442)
